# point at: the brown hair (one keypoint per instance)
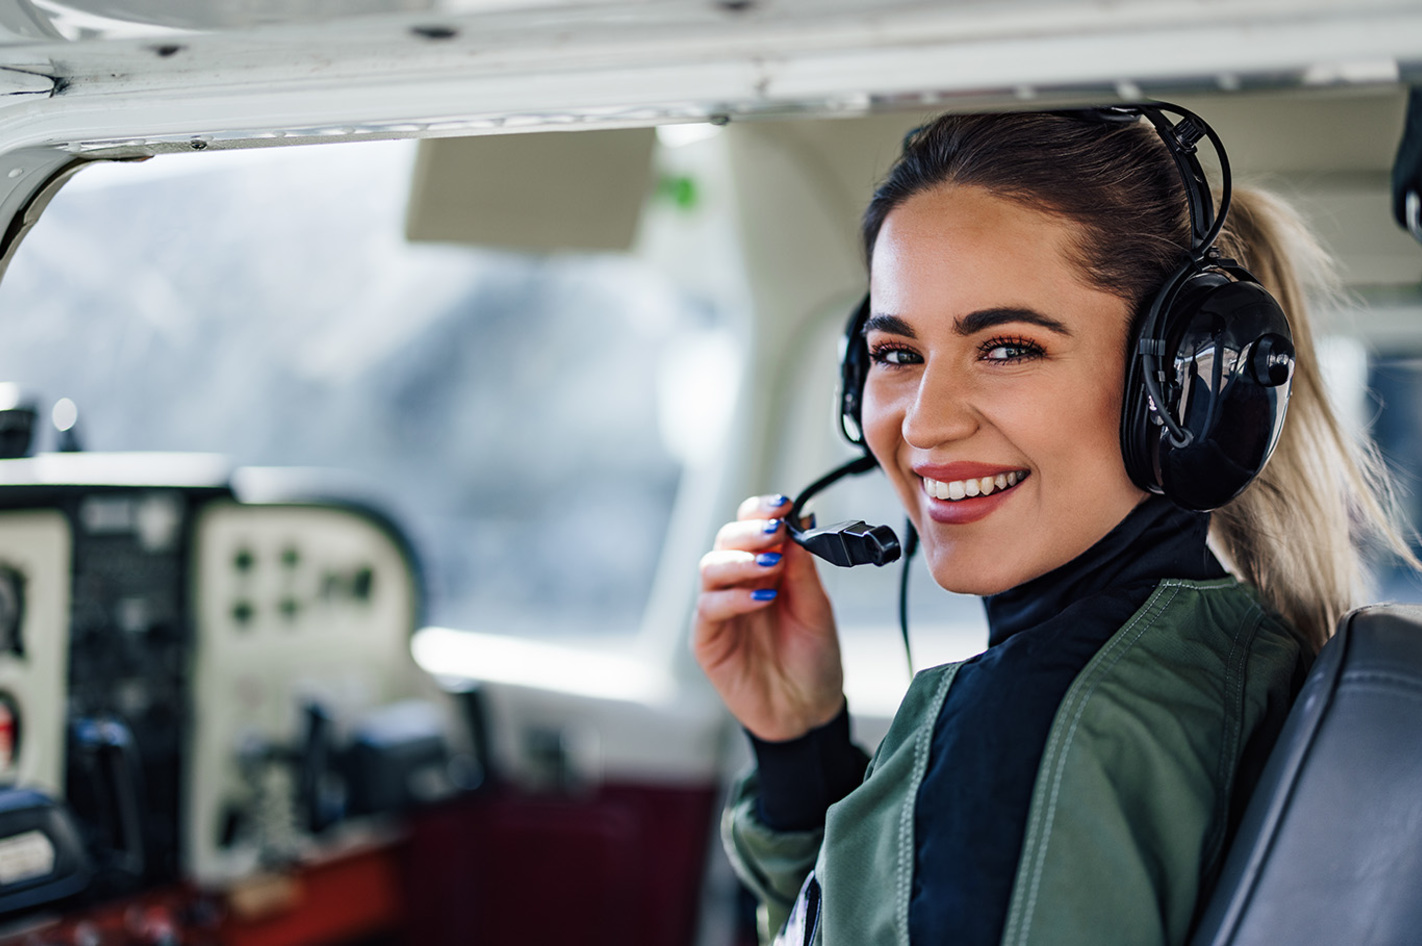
(1116, 181)
(1297, 532)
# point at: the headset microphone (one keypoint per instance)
(855, 542)
(849, 543)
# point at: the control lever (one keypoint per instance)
(320, 807)
(108, 753)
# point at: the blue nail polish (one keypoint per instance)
(764, 594)
(778, 500)
(771, 525)
(768, 559)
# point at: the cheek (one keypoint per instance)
(1102, 419)
(880, 422)
(883, 424)
(1071, 427)
(1079, 434)
(883, 416)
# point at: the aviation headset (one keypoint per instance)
(1207, 379)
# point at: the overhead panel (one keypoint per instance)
(1330, 153)
(540, 192)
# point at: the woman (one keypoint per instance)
(1078, 781)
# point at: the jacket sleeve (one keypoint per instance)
(774, 823)
(772, 864)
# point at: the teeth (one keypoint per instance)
(964, 489)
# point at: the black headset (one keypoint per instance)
(1207, 379)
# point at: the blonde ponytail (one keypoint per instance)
(1299, 532)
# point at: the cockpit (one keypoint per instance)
(374, 376)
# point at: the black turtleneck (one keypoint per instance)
(971, 811)
(972, 806)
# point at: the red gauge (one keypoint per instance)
(9, 736)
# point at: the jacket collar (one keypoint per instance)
(1156, 540)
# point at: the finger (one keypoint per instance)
(764, 507)
(716, 606)
(727, 567)
(800, 582)
(799, 563)
(751, 535)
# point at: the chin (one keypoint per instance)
(951, 576)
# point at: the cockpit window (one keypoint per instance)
(512, 410)
(1395, 380)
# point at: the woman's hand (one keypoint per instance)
(764, 631)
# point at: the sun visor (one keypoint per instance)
(541, 192)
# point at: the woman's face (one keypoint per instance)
(993, 400)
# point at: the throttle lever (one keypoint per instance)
(108, 748)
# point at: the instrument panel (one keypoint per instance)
(197, 690)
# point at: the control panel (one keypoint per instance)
(34, 647)
(195, 689)
(303, 616)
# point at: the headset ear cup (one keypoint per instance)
(853, 371)
(1227, 353)
(1141, 425)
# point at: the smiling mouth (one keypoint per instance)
(955, 490)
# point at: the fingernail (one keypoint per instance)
(777, 500)
(768, 559)
(771, 525)
(764, 594)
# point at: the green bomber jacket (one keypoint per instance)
(1131, 807)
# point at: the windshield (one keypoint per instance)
(267, 306)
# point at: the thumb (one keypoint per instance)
(800, 570)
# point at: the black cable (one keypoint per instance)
(849, 543)
(910, 546)
(859, 465)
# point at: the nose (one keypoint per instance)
(941, 411)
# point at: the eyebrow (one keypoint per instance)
(970, 324)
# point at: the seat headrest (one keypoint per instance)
(1330, 847)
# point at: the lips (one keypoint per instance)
(964, 492)
(958, 490)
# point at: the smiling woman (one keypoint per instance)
(1078, 781)
(992, 365)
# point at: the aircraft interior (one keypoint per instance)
(375, 374)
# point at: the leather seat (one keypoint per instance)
(1330, 847)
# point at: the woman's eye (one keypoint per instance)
(888, 355)
(1010, 349)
